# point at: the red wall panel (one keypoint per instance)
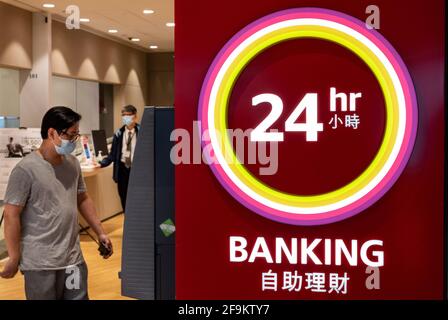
(408, 218)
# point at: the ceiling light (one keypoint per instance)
(113, 31)
(48, 5)
(135, 39)
(148, 11)
(170, 24)
(153, 47)
(84, 20)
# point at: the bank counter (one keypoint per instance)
(103, 191)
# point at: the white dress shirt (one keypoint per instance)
(126, 134)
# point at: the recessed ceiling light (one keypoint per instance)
(84, 20)
(135, 39)
(113, 31)
(148, 11)
(48, 5)
(170, 24)
(153, 47)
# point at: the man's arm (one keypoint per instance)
(111, 156)
(87, 209)
(12, 237)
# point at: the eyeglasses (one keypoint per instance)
(71, 137)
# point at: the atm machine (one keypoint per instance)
(148, 269)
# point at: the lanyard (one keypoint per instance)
(129, 139)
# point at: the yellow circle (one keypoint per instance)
(323, 33)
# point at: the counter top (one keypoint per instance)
(91, 171)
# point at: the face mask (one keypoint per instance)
(127, 120)
(66, 148)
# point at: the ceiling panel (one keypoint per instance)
(125, 16)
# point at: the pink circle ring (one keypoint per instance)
(401, 122)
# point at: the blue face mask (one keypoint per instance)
(127, 120)
(66, 148)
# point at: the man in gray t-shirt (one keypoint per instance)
(45, 191)
(48, 195)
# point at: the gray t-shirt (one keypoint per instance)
(50, 230)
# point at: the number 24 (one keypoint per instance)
(311, 127)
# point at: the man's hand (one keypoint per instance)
(87, 209)
(104, 239)
(10, 270)
(12, 237)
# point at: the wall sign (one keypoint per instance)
(401, 109)
(312, 158)
(15, 144)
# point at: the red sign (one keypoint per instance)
(320, 172)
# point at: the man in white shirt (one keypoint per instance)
(122, 152)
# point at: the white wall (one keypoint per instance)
(81, 96)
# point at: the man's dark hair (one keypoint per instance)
(60, 119)
(130, 109)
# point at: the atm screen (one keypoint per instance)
(100, 142)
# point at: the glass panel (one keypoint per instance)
(9, 94)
